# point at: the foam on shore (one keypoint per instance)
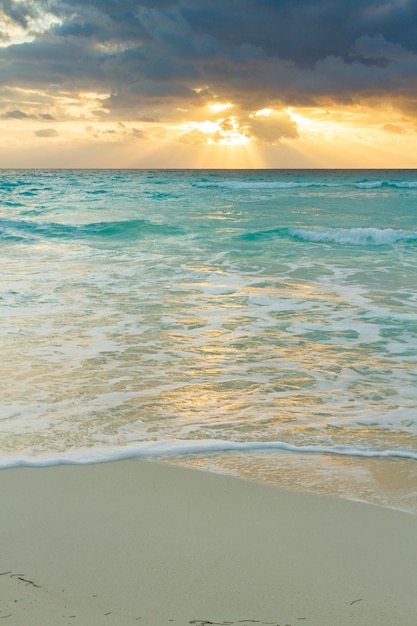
(199, 446)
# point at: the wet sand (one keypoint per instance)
(135, 542)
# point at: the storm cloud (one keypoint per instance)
(144, 56)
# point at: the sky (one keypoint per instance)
(208, 83)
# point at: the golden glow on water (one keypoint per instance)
(183, 334)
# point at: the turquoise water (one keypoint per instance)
(261, 323)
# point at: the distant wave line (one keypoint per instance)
(236, 184)
(363, 185)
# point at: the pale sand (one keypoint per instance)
(134, 542)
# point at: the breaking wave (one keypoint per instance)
(355, 236)
(378, 184)
(352, 236)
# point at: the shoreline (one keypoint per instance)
(138, 542)
(382, 478)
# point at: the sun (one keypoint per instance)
(217, 107)
(223, 132)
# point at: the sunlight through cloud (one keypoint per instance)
(216, 107)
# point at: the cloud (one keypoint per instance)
(378, 50)
(137, 133)
(118, 133)
(408, 107)
(394, 129)
(16, 114)
(47, 132)
(18, 12)
(270, 129)
(149, 118)
(144, 58)
(194, 137)
(266, 127)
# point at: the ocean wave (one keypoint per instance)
(378, 184)
(271, 233)
(352, 236)
(127, 229)
(237, 184)
(205, 446)
(26, 230)
(355, 236)
(279, 184)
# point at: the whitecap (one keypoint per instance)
(356, 236)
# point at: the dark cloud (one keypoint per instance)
(304, 31)
(100, 22)
(19, 12)
(254, 52)
(47, 62)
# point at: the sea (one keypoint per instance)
(258, 323)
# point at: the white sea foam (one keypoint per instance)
(370, 184)
(379, 184)
(144, 324)
(356, 236)
(406, 185)
(181, 447)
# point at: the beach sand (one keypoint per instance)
(135, 542)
